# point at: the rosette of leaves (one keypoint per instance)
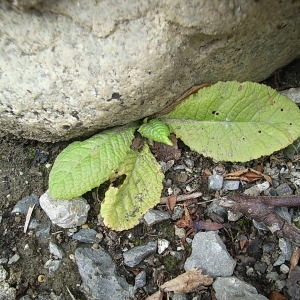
(228, 121)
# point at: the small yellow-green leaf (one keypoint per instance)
(156, 130)
(84, 165)
(140, 191)
(232, 121)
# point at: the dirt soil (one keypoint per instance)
(24, 170)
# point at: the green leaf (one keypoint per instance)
(233, 121)
(140, 191)
(156, 130)
(84, 165)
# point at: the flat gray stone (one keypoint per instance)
(23, 205)
(99, 277)
(209, 254)
(86, 235)
(215, 182)
(137, 254)
(154, 216)
(96, 64)
(231, 288)
(140, 279)
(65, 213)
(56, 250)
(231, 185)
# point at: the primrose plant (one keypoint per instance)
(228, 121)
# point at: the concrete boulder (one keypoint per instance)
(71, 68)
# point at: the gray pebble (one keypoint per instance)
(56, 250)
(215, 208)
(140, 280)
(14, 259)
(231, 185)
(23, 205)
(42, 231)
(99, 277)
(178, 296)
(284, 190)
(86, 235)
(52, 265)
(190, 163)
(272, 276)
(260, 267)
(177, 212)
(154, 216)
(215, 182)
(3, 261)
(135, 255)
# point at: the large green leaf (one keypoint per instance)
(84, 165)
(233, 121)
(140, 191)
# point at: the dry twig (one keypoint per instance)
(261, 209)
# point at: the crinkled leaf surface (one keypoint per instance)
(233, 121)
(140, 191)
(156, 130)
(84, 165)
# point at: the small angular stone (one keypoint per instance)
(231, 185)
(135, 255)
(23, 205)
(234, 289)
(215, 182)
(163, 244)
(140, 280)
(284, 190)
(86, 235)
(56, 250)
(154, 216)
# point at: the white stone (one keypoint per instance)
(71, 68)
(65, 213)
(162, 245)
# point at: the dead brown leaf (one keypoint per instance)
(164, 152)
(171, 202)
(294, 259)
(156, 296)
(248, 175)
(188, 282)
(276, 296)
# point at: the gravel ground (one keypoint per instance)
(24, 170)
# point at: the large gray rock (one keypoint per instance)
(210, 255)
(231, 288)
(71, 68)
(99, 276)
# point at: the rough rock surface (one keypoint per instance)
(234, 289)
(210, 255)
(64, 213)
(71, 68)
(99, 276)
